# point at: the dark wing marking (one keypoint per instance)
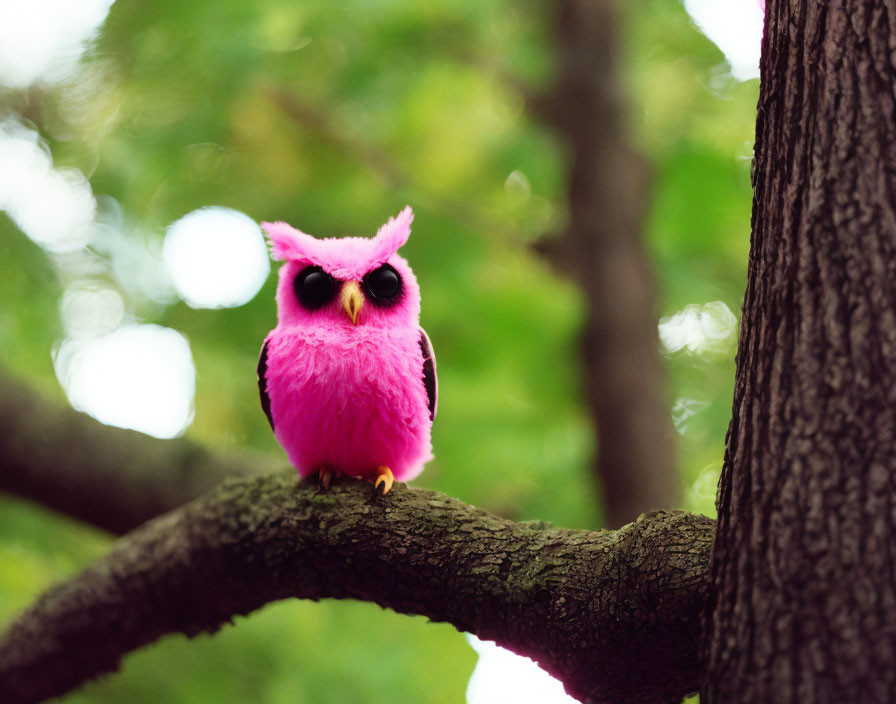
(263, 383)
(430, 381)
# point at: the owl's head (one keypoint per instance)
(345, 281)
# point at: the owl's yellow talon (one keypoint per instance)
(323, 478)
(384, 478)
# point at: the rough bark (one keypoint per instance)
(112, 478)
(805, 555)
(614, 614)
(604, 247)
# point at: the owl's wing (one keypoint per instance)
(263, 383)
(430, 381)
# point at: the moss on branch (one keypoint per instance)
(614, 614)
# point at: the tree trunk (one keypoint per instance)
(804, 562)
(604, 248)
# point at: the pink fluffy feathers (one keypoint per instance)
(345, 258)
(349, 397)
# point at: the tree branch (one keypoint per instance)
(614, 614)
(112, 478)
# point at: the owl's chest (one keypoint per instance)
(353, 374)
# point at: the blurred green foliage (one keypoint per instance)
(333, 116)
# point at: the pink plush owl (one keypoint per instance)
(348, 377)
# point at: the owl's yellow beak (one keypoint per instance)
(352, 300)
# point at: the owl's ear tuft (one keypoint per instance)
(287, 242)
(391, 236)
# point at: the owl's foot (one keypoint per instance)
(324, 476)
(384, 478)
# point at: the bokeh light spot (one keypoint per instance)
(139, 376)
(216, 258)
(707, 484)
(517, 187)
(53, 207)
(44, 39)
(90, 308)
(707, 329)
(683, 410)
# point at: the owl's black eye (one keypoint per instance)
(314, 287)
(382, 285)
